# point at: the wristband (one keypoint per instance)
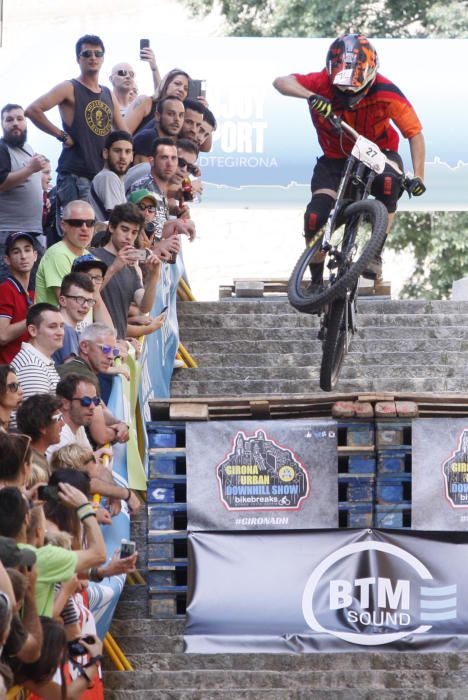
(94, 575)
(62, 137)
(83, 505)
(129, 495)
(85, 511)
(94, 660)
(88, 515)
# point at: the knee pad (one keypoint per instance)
(316, 214)
(387, 189)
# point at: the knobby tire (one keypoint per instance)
(308, 303)
(334, 345)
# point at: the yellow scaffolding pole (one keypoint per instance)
(185, 290)
(186, 356)
(116, 654)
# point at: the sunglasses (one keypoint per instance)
(82, 301)
(87, 53)
(57, 417)
(86, 401)
(124, 73)
(147, 207)
(183, 164)
(109, 349)
(13, 387)
(78, 223)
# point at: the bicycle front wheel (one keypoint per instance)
(353, 245)
(334, 346)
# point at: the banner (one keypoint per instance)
(262, 475)
(327, 591)
(162, 344)
(440, 474)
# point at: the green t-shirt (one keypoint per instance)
(56, 263)
(54, 565)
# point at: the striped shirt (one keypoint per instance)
(35, 371)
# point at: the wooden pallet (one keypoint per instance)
(297, 405)
(273, 287)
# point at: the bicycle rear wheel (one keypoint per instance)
(359, 239)
(334, 346)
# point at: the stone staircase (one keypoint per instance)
(266, 347)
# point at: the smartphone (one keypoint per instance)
(127, 548)
(48, 493)
(140, 254)
(144, 44)
(196, 89)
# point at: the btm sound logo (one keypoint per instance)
(394, 595)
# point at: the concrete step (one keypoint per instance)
(276, 679)
(404, 368)
(146, 627)
(193, 388)
(254, 306)
(261, 320)
(356, 356)
(290, 694)
(297, 334)
(359, 344)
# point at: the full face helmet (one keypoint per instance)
(352, 65)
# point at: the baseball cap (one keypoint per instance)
(138, 195)
(87, 262)
(13, 237)
(12, 555)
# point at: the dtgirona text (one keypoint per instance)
(391, 600)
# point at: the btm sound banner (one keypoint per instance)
(440, 474)
(247, 475)
(329, 591)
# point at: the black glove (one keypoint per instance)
(321, 105)
(416, 187)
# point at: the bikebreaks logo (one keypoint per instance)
(373, 610)
(261, 474)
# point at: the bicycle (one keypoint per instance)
(353, 235)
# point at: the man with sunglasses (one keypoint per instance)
(89, 111)
(78, 227)
(122, 80)
(180, 189)
(107, 188)
(98, 351)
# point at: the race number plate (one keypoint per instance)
(369, 154)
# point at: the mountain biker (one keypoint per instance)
(351, 87)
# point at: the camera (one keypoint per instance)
(76, 649)
(150, 228)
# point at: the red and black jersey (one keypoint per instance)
(371, 117)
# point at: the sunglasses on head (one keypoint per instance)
(57, 417)
(123, 73)
(13, 387)
(87, 53)
(109, 349)
(183, 164)
(78, 223)
(86, 401)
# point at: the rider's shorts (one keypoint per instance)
(386, 187)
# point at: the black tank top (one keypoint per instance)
(145, 121)
(94, 113)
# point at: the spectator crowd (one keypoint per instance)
(79, 271)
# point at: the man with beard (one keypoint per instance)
(163, 169)
(20, 181)
(107, 188)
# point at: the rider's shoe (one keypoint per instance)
(373, 270)
(315, 285)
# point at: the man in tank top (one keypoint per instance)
(89, 112)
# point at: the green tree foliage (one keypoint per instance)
(314, 18)
(438, 242)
